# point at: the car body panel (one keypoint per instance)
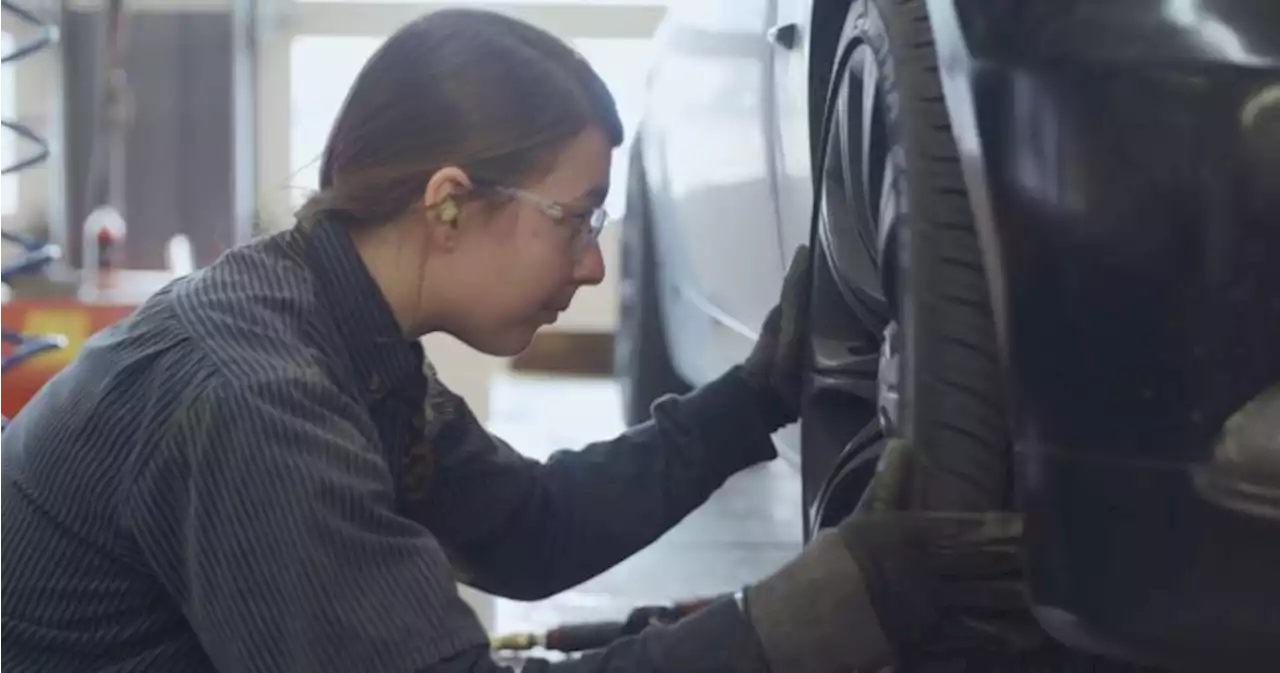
(792, 161)
(707, 148)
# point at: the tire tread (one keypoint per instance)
(957, 408)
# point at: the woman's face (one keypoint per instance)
(520, 267)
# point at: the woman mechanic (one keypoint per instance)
(258, 471)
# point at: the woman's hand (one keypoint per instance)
(888, 581)
(777, 363)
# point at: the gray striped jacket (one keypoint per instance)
(255, 471)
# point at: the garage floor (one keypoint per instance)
(746, 530)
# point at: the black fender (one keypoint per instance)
(1123, 163)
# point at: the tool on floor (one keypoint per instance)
(584, 636)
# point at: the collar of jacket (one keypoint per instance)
(383, 359)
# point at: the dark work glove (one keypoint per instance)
(645, 616)
(973, 626)
(882, 579)
(777, 363)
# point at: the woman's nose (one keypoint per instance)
(589, 269)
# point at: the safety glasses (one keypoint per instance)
(586, 224)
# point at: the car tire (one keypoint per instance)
(897, 237)
(642, 361)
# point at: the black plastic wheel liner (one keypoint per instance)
(1133, 196)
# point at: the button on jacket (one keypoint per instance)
(256, 471)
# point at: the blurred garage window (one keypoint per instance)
(311, 51)
(624, 64)
(9, 142)
(321, 71)
(322, 68)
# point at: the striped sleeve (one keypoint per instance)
(584, 511)
(717, 639)
(269, 514)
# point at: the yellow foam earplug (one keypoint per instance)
(448, 210)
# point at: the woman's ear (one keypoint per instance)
(445, 189)
(442, 202)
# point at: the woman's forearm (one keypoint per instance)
(545, 527)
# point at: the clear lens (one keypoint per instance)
(599, 218)
(587, 235)
(587, 226)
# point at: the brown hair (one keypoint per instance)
(470, 88)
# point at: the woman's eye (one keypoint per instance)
(578, 220)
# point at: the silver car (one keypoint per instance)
(750, 103)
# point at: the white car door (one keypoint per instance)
(789, 34)
(791, 84)
(710, 169)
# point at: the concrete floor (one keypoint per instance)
(749, 528)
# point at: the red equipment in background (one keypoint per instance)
(73, 318)
(66, 317)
